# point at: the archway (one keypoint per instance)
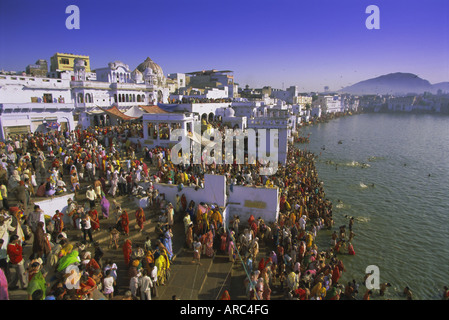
(211, 117)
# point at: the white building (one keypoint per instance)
(329, 104)
(199, 94)
(205, 110)
(280, 120)
(178, 80)
(117, 86)
(228, 118)
(29, 103)
(290, 95)
(158, 125)
(213, 79)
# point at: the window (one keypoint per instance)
(48, 98)
(64, 61)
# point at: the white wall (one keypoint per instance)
(213, 192)
(49, 206)
(243, 201)
(258, 201)
(20, 89)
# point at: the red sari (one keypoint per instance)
(223, 243)
(95, 220)
(125, 222)
(127, 250)
(59, 223)
(86, 288)
(336, 274)
(261, 265)
(91, 266)
(183, 202)
(140, 218)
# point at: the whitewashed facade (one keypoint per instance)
(28, 104)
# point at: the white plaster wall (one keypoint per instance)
(49, 206)
(20, 89)
(213, 192)
(260, 202)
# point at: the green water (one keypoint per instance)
(399, 198)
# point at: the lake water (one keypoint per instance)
(390, 172)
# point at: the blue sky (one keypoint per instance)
(265, 42)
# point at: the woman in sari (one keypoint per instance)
(36, 281)
(223, 241)
(183, 202)
(225, 296)
(162, 263)
(104, 206)
(187, 221)
(170, 215)
(41, 246)
(87, 287)
(261, 266)
(140, 218)
(216, 218)
(94, 219)
(127, 251)
(70, 258)
(49, 188)
(124, 221)
(4, 294)
(148, 261)
(98, 188)
(266, 293)
(58, 221)
(17, 214)
(75, 183)
(189, 236)
(231, 250)
(114, 184)
(209, 242)
(168, 243)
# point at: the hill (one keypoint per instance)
(396, 84)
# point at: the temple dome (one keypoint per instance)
(137, 75)
(150, 64)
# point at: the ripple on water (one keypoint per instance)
(407, 210)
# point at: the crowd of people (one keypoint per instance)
(295, 265)
(100, 164)
(38, 165)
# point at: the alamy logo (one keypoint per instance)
(227, 147)
(73, 279)
(72, 21)
(373, 279)
(373, 20)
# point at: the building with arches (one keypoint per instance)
(116, 86)
(73, 94)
